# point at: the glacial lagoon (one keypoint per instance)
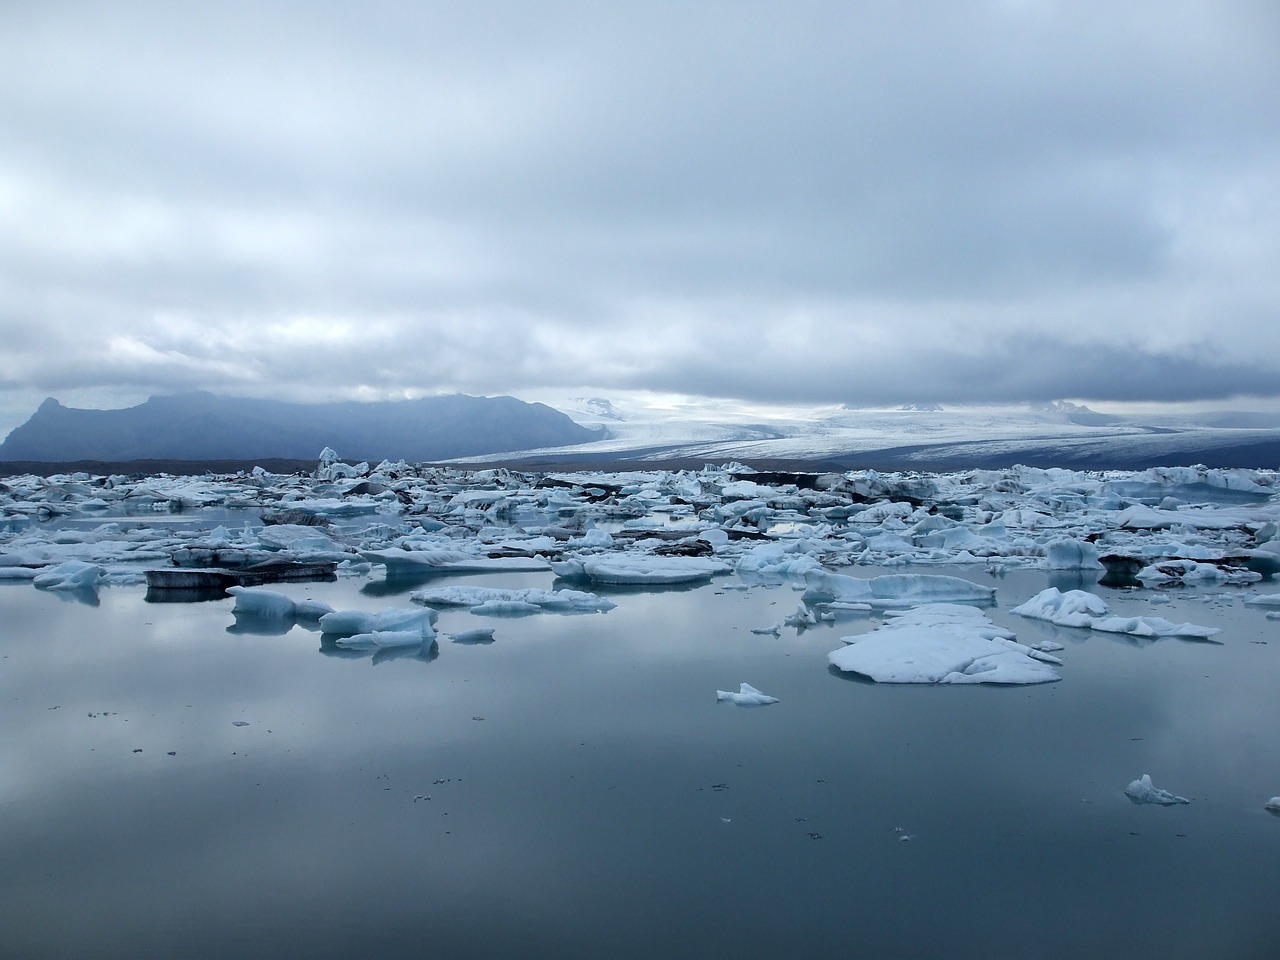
(178, 781)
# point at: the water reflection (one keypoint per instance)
(554, 793)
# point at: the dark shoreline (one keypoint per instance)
(923, 458)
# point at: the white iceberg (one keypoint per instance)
(1079, 608)
(70, 575)
(747, 696)
(1142, 791)
(1264, 600)
(943, 643)
(1074, 608)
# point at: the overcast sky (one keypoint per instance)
(857, 202)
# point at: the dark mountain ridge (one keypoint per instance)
(202, 426)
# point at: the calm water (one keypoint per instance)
(574, 789)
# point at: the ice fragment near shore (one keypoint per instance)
(1142, 791)
(747, 696)
(943, 643)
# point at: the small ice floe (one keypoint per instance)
(1273, 806)
(348, 623)
(1079, 608)
(477, 636)
(533, 599)
(773, 631)
(381, 639)
(402, 563)
(1264, 600)
(894, 590)
(257, 602)
(1142, 791)
(802, 618)
(650, 570)
(943, 643)
(747, 696)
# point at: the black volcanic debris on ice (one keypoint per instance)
(201, 426)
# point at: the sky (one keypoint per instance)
(869, 203)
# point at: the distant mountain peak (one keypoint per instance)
(202, 426)
(599, 407)
(922, 407)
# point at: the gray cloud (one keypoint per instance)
(828, 202)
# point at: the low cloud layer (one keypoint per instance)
(816, 202)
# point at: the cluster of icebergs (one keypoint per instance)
(656, 529)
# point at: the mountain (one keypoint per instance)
(201, 426)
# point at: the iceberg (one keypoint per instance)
(650, 570)
(396, 619)
(1142, 791)
(257, 602)
(943, 643)
(559, 601)
(408, 563)
(747, 696)
(894, 590)
(380, 639)
(1079, 608)
(1075, 608)
(70, 575)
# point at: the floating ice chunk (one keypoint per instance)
(505, 608)
(19, 573)
(1273, 805)
(894, 590)
(1167, 572)
(1069, 554)
(803, 617)
(379, 639)
(257, 602)
(1153, 627)
(773, 631)
(395, 619)
(943, 643)
(70, 575)
(777, 561)
(400, 562)
(478, 635)
(560, 601)
(650, 570)
(310, 609)
(1142, 791)
(747, 696)
(1265, 600)
(1075, 608)
(1079, 608)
